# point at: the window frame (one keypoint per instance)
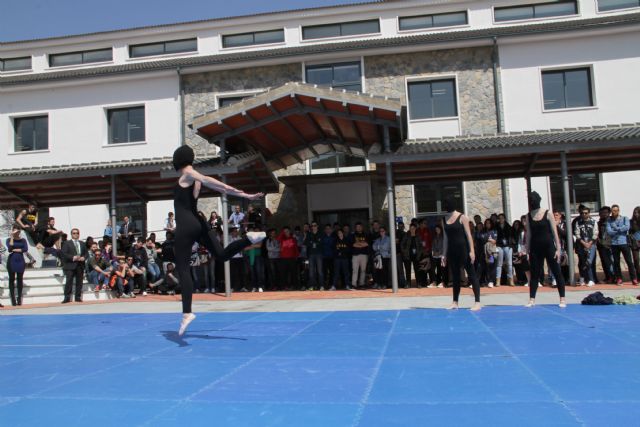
(434, 27)
(304, 39)
(439, 200)
(417, 79)
(14, 128)
(3, 62)
(236, 94)
(253, 33)
(164, 48)
(82, 62)
(622, 9)
(572, 67)
(533, 18)
(107, 110)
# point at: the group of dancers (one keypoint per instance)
(542, 239)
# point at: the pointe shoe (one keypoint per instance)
(563, 304)
(186, 320)
(476, 307)
(453, 306)
(530, 304)
(256, 236)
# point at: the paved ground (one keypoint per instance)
(323, 301)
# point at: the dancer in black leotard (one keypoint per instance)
(190, 227)
(542, 243)
(459, 251)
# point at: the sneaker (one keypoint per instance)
(254, 289)
(619, 282)
(634, 282)
(441, 285)
(554, 283)
(132, 295)
(125, 296)
(431, 285)
(590, 284)
(96, 289)
(244, 290)
(256, 236)
(490, 285)
(144, 293)
(172, 292)
(322, 288)
(526, 285)
(259, 289)
(333, 288)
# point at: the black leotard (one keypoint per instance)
(458, 256)
(190, 227)
(541, 247)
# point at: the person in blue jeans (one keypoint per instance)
(586, 233)
(313, 243)
(99, 270)
(382, 247)
(504, 244)
(618, 227)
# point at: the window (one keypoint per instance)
(432, 99)
(341, 29)
(431, 21)
(223, 102)
(15, 64)
(126, 125)
(74, 58)
(606, 5)
(248, 39)
(429, 197)
(567, 88)
(533, 11)
(583, 189)
(344, 75)
(163, 48)
(31, 133)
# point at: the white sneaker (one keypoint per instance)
(526, 285)
(253, 289)
(590, 284)
(431, 286)
(259, 289)
(144, 293)
(554, 283)
(256, 236)
(490, 285)
(441, 285)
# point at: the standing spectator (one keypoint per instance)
(561, 226)
(215, 221)
(437, 247)
(99, 271)
(425, 237)
(586, 233)
(328, 246)
(236, 219)
(152, 260)
(253, 255)
(303, 260)
(27, 220)
(618, 226)
(313, 243)
(400, 233)
(360, 256)
(107, 234)
(342, 256)
(170, 223)
(504, 244)
(254, 217)
(490, 251)
(289, 258)
(382, 249)
(604, 245)
(17, 247)
(411, 255)
(634, 239)
(273, 259)
(521, 262)
(74, 254)
(236, 264)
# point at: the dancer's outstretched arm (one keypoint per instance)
(220, 186)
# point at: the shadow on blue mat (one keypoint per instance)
(182, 340)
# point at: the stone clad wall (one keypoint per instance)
(483, 198)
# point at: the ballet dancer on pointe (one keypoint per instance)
(542, 243)
(190, 227)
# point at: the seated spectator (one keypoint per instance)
(166, 249)
(120, 282)
(107, 234)
(99, 270)
(50, 237)
(107, 254)
(170, 283)
(136, 274)
(27, 220)
(152, 260)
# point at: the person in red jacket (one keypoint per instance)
(289, 258)
(425, 236)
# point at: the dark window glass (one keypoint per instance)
(126, 125)
(567, 88)
(74, 58)
(341, 29)
(15, 64)
(31, 133)
(583, 189)
(223, 102)
(248, 39)
(163, 48)
(429, 21)
(605, 5)
(429, 197)
(530, 11)
(431, 99)
(346, 75)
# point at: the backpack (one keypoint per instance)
(597, 298)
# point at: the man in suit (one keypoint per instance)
(125, 234)
(74, 254)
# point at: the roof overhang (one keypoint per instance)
(296, 122)
(136, 180)
(469, 158)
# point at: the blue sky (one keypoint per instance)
(31, 19)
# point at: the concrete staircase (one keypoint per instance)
(46, 285)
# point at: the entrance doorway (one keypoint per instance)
(342, 217)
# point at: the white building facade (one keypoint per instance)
(460, 67)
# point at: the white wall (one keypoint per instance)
(78, 120)
(90, 220)
(518, 204)
(156, 215)
(621, 188)
(616, 79)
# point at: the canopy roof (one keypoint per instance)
(297, 121)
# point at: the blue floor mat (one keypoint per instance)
(500, 366)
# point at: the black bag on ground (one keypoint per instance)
(597, 298)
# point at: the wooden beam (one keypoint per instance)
(12, 193)
(292, 129)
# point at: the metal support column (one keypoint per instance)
(567, 213)
(114, 225)
(392, 213)
(225, 223)
(528, 181)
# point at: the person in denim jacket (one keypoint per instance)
(618, 227)
(382, 247)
